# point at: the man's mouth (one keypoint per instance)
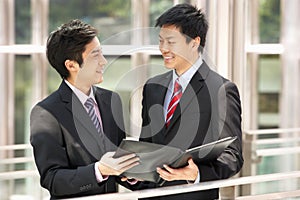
(100, 71)
(168, 58)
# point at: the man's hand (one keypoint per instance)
(116, 166)
(188, 173)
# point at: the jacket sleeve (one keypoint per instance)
(228, 122)
(51, 157)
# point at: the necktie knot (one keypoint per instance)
(177, 87)
(89, 103)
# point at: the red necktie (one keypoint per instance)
(177, 93)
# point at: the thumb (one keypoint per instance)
(191, 162)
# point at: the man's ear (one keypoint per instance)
(71, 65)
(196, 42)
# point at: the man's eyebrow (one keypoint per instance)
(167, 38)
(97, 50)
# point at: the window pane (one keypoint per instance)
(22, 22)
(110, 17)
(117, 77)
(23, 95)
(269, 87)
(157, 66)
(157, 7)
(54, 79)
(269, 21)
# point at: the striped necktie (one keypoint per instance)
(89, 104)
(177, 93)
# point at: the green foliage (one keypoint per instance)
(62, 11)
(269, 24)
(23, 21)
(157, 7)
(23, 94)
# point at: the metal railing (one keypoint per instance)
(234, 182)
(252, 155)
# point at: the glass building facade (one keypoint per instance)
(255, 43)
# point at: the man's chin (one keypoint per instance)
(99, 81)
(169, 66)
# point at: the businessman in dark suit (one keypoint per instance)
(75, 130)
(190, 105)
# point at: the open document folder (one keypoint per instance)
(156, 155)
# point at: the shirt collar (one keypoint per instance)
(186, 77)
(81, 96)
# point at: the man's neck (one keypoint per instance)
(83, 88)
(188, 65)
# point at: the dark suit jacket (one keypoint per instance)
(209, 110)
(66, 144)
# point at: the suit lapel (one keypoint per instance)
(109, 109)
(158, 93)
(161, 88)
(103, 102)
(83, 125)
(191, 91)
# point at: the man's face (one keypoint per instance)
(177, 53)
(91, 71)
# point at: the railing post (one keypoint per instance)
(248, 168)
(228, 193)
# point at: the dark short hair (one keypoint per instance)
(190, 20)
(68, 42)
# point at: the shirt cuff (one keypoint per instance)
(197, 179)
(98, 175)
(132, 181)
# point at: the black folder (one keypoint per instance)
(156, 155)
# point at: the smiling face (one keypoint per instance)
(91, 70)
(177, 53)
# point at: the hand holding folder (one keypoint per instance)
(155, 155)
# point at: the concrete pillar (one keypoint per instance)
(140, 37)
(7, 88)
(290, 95)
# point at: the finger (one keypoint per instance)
(169, 169)
(128, 162)
(125, 168)
(124, 179)
(162, 172)
(109, 154)
(191, 162)
(158, 170)
(126, 157)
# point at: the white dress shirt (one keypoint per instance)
(184, 80)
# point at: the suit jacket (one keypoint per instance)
(209, 109)
(66, 144)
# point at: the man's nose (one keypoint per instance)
(102, 60)
(164, 48)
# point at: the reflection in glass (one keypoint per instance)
(23, 94)
(269, 21)
(109, 17)
(22, 22)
